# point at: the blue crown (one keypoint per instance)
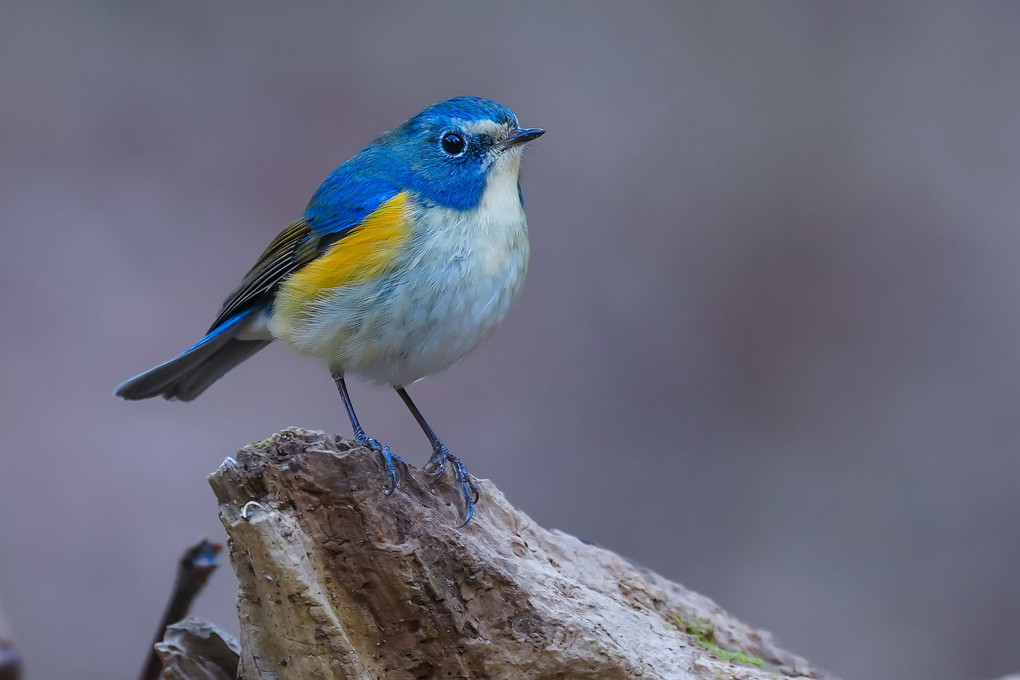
(464, 109)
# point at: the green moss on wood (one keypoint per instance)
(704, 631)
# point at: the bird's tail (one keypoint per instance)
(189, 374)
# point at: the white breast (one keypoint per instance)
(456, 281)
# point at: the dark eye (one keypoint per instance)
(453, 143)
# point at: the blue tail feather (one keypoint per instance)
(189, 374)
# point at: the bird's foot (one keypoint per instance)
(437, 466)
(390, 460)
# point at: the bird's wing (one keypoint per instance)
(341, 203)
(294, 247)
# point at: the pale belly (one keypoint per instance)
(451, 286)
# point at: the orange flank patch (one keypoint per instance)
(365, 253)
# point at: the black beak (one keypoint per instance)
(518, 137)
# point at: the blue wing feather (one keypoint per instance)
(351, 193)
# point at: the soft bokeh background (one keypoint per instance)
(769, 345)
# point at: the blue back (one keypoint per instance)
(409, 158)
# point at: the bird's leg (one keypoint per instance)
(440, 456)
(389, 459)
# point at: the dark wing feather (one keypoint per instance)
(296, 246)
(349, 194)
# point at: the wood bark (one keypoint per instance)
(192, 649)
(338, 580)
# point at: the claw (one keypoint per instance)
(437, 466)
(474, 488)
(389, 460)
(467, 515)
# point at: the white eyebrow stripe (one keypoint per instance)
(485, 127)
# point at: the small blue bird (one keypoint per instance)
(405, 260)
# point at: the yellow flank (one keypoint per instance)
(363, 254)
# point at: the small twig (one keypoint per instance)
(197, 563)
(10, 660)
(10, 664)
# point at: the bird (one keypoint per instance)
(406, 259)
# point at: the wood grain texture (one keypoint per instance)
(192, 649)
(339, 581)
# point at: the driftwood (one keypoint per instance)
(195, 650)
(339, 581)
(193, 569)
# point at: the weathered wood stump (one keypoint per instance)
(339, 581)
(195, 650)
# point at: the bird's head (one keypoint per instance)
(451, 150)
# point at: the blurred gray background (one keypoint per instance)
(769, 344)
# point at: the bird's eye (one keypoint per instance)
(453, 143)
